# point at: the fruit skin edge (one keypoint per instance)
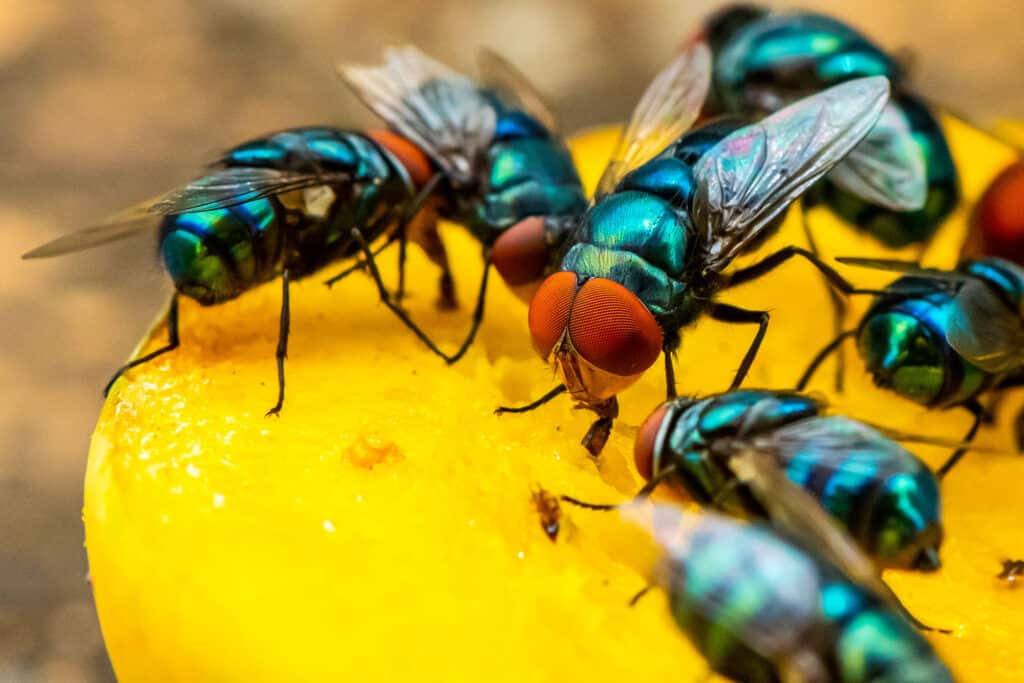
(382, 527)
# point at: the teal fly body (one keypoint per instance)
(765, 609)
(672, 210)
(901, 183)
(883, 496)
(942, 338)
(288, 204)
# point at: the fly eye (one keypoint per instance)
(520, 254)
(549, 311)
(643, 447)
(613, 330)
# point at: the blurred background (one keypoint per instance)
(106, 103)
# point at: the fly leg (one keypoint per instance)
(732, 314)
(408, 215)
(641, 495)
(282, 343)
(478, 309)
(670, 376)
(172, 343)
(386, 298)
(597, 436)
(978, 413)
(820, 358)
(359, 264)
(773, 261)
(557, 391)
(423, 231)
(640, 594)
(838, 304)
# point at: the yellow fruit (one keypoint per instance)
(382, 528)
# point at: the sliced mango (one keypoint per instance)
(383, 527)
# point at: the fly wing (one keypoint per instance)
(752, 175)
(127, 223)
(666, 110)
(442, 111)
(887, 168)
(220, 189)
(984, 330)
(774, 625)
(797, 513)
(500, 74)
(232, 186)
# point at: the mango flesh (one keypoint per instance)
(383, 528)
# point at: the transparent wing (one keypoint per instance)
(887, 168)
(500, 74)
(219, 189)
(440, 110)
(666, 110)
(984, 330)
(752, 175)
(837, 442)
(233, 186)
(797, 513)
(128, 223)
(790, 579)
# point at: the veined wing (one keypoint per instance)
(220, 189)
(984, 329)
(500, 74)
(666, 110)
(774, 625)
(439, 109)
(796, 512)
(751, 176)
(887, 168)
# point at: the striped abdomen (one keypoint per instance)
(871, 642)
(215, 255)
(886, 499)
(762, 609)
(728, 589)
(383, 172)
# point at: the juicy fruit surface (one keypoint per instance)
(383, 529)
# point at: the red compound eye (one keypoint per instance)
(999, 214)
(549, 311)
(613, 330)
(643, 448)
(521, 252)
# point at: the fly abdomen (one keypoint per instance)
(886, 499)
(902, 340)
(216, 255)
(382, 172)
(900, 228)
(728, 585)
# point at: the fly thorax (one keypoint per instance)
(903, 344)
(650, 284)
(523, 177)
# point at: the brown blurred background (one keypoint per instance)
(105, 103)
